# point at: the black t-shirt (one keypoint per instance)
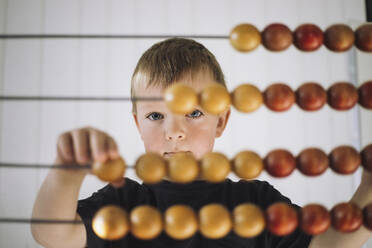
(196, 195)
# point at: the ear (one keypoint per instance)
(222, 121)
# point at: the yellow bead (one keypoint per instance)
(215, 221)
(110, 171)
(215, 98)
(245, 37)
(247, 165)
(181, 222)
(249, 220)
(151, 168)
(215, 167)
(180, 98)
(247, 98)
(110, 223)
(146, 222)
(183, 167)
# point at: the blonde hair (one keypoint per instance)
(169, 60)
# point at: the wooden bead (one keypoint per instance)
(245, 37)
(181, 222)
(282, 219)
(342, 96)
(365, 95)
(279, 163)
(110, 171)
(180, 98)
(110, 223)
(215, 167)
(215, 98)
(367, 216)
(246, 98)
(339, 38)
(363, 37)
(366, 155)
(279, 97)
(311, 96)
(346, 217)
(215, 221)
(314, 219)
(183, 167)
(308, 37)
(151, 168)
(312, 162)
(248, 220)
(146, 222)
(277, 37)
(344, 160)
(247, 165)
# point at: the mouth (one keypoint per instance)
(169, 154)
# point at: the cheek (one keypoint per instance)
(152, 137)
(202, 137)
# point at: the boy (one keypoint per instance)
(171, 61)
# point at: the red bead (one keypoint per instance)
(279, 97)
(308, 37)
(367, 158)
(365, 95)
(346, 217)
(344, 160)
(312, 162)
(339, 38)
(277, 37)
(363, 37)
(342, 96)
(314, 219)
(282, 219)
(367, 216)
(279, 163)
(311, 96)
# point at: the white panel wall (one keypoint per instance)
(86, 67)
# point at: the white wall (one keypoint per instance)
(28, 130)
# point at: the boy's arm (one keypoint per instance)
(332, 238)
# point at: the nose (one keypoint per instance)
(175, 131)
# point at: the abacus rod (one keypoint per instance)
(108, 36)
(47, 166)
(76, 98)
(39, 221)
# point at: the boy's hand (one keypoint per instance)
(82, 146)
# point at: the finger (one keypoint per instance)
(81, 146)
(98, 145)
(113, 150)
(119, 183)
(65, 148)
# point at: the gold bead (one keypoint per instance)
(146, 222)
(183, 167)
(245, 37)
(110, 223)
(151, 168)
(180, 98)
(247, 165)
(215, 98)
(249, 220)
(247, 98)
(215, 167)
(215, 221)
(180, 222)
(110, 171)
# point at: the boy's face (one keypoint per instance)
(164, 132)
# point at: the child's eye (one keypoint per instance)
(155, 116)
(195, 114)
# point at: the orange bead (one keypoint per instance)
(342, 96)
(279, 97)
(146, 222)
(279, 163)
(110, 171)
(215, 98)
(181, 222)
(247, 165)
(249, 220)
(339, 38)
(363, 37)
(308, 37)
(277, 37)
(151, 168)
(344, 160)
(215, 167)
(245, 37)
(215, 221)
(312, 162)
(367, 158)
(180, 98)
(246, 98)
(315, 219)
(183, 167)
(365, 95)
(311, 96)
(110, 223)
(346, 217)
(282, 219)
